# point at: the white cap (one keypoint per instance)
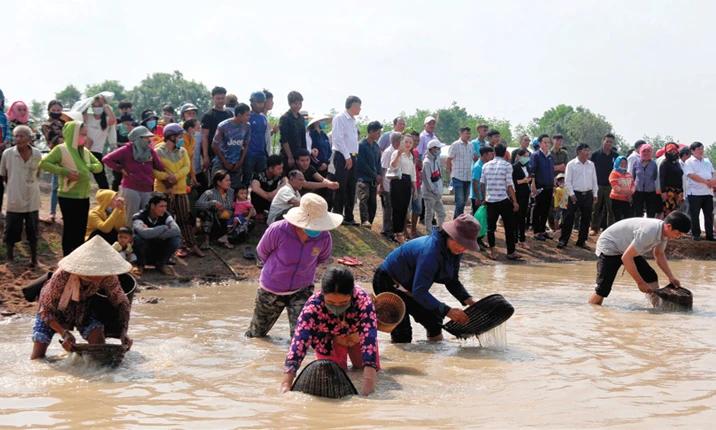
(435, 144)
(428, 119)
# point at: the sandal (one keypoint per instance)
(249, 253)
(182, 253)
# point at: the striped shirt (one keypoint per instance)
(497, 176)
(461, 155)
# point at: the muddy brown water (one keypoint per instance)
(566, 365)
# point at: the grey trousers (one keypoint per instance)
(387, 213)
(433, 206)
(134, 201)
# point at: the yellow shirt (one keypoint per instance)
(176, 163)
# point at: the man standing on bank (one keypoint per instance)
(345, 151)
(626, 241)
(603, 160)
(542, 170)
(581, 183)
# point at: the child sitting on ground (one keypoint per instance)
(123, 245)
(561, 200)
(242, 223)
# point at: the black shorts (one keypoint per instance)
(608, 268)
(13, 226)
(403, 333)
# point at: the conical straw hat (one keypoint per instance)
(313, 214)
(95, 257)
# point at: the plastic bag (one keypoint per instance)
(481, 217)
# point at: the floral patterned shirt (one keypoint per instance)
(317, 326)
(75, 313)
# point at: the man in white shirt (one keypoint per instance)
(700, 172)
(634, 156)
(287, 197)
(384, 189)
(459, 164)
(581, 183)
(344, 142)
(19, 171)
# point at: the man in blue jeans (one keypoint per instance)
(157, 235)
(260, 140)
(459, 164)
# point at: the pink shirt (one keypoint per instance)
(242, 208)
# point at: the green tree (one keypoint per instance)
(577, 125)
(68, 96)
(160, 89)
(710, 153)
(658, 141)
(37, 111)
(120, 93)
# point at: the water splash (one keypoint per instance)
(495, 337)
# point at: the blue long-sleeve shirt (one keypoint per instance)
(644, 177)
(420, 263)
(542, 169)
(368, 162)
(320, 141)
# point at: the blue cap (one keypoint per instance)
(535, 143)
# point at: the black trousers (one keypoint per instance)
(584, 204)
(541, 211)
(502, 209)
(100, 177)
(367, 194)
(344, 199)
(646, 201)
(74, 222)
(621, 209)
(705, 204)
(521, 219)
(2, 192)
(401, 194)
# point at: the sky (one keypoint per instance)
(647, 66)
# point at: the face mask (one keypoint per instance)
(81, 140)
(337, 310)
(55, 115)
(524, 160)
(151, 124)
(323, 125)
(97, 110)
(180, 143)
(312, 233)
(437, 153)
(305, 123)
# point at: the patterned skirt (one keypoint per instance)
(674, 196)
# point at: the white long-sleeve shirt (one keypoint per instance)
(581, 177)
(344, 135)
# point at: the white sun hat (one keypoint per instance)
(95, 257)
(313, 214)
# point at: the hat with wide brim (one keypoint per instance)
(464, 230)
(484, 315)
(324, 378)
(319, 118)
(313, 214)
(95, 257)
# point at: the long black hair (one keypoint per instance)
(103, 118)
(337, 280)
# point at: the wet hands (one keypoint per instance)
(126, 341)
(458, 315)
(287, 382)
(675, 282)
(68, 341)
(644, 287)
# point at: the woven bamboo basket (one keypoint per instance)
(390, 310)
(484, 315)
(324, 378)
(677, 295)
(105, 354)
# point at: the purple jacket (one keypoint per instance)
(142, 175)
(289, 264)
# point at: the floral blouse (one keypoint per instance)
(317, 326)
(76, 312)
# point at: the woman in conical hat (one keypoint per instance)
(65, 299)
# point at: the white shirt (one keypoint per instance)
(703, 169)
(344, 135)
(23, 186)
(385, 164)
(309, 142)
(461, 155)
(282, 201)
(581, 177)
(631, 159)
(406, 164)
(95, 132)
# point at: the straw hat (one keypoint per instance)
(95, 257)
(313, 214)
(319, 118)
